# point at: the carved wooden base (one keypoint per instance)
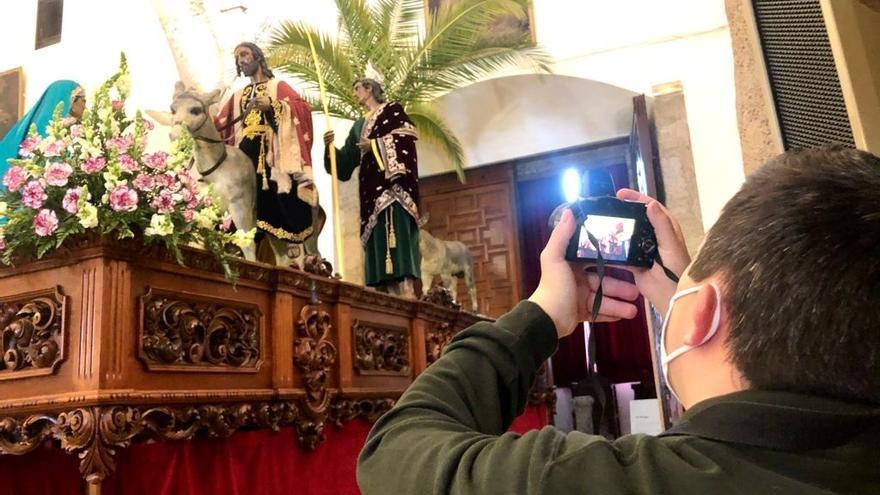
(94, 433)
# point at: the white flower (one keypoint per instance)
(88, 215)
(160, 225)
(243, 238)
(206, 218)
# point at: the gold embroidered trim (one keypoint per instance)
(283, 234)
(388, 197)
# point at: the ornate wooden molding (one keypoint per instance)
(184, 333)
(373, 299)
(314, 354)
(436, 339)
(441, 296)
(380, 349)
(345, 409)
(95, 433)
(34, 331)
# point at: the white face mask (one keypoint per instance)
(665, 357)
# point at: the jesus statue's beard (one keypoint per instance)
(250, 69)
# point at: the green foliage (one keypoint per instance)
(419, 59)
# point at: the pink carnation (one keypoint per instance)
(33, 195)
(127, 163)
(227, 222)
(188, 215)
(93, 165)
(120, 144)
(54, 149)
(14, 178)
(166, 180)
(57, 173)
(144, 182)
(76, 131)
(163, 203)
(70, 203)
(123, 198)
(45, 223)
(147, 124)
(157, 160)
(28, 146)
(116, 104)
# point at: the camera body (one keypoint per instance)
(620, 231)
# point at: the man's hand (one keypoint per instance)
(653, 282)
(566, 292)
(329, 136)
(364, 145)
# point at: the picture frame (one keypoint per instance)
(502, 26)
(11, 98)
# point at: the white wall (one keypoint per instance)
(634, 45)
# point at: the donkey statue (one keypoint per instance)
(448, 259)
(228, 169)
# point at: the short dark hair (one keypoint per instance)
(258, 54)
(797, 250)
(375, 88)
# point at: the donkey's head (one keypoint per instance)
(190, 108)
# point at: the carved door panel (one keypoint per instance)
(480, 214)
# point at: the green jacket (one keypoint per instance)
(447, 435)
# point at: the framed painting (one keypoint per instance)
(11, 99)
(503, 27)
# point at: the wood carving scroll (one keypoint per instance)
(436, 339)
(380, 349)
(33, 333)
(185, 334)
(314, 354)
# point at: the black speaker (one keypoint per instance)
(803, 77)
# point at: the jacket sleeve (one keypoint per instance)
(446, 434)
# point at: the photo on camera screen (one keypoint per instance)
(613, 234)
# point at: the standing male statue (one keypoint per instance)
(383, 144)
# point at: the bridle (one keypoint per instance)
(196, 137)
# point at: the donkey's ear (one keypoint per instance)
(179, 87)
(213, 97)
(426, 217)
(162, 118)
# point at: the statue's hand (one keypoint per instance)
(261, 103)
(364, 145)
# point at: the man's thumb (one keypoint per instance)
(560, 236)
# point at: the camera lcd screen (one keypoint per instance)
(613, 234)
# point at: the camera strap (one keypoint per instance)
(597, 302)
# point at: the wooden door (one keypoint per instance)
(480, 214)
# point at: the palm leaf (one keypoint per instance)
(418, 65)
(433, 128)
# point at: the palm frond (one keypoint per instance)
(433, 128)
(478, 65)
(452, 32)
(357, 28)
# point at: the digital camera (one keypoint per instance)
(617, 229)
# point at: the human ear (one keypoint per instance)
(706, 304)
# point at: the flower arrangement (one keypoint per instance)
(96, 176)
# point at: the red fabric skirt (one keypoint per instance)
(264, 461)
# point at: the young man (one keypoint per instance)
(772, 343)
